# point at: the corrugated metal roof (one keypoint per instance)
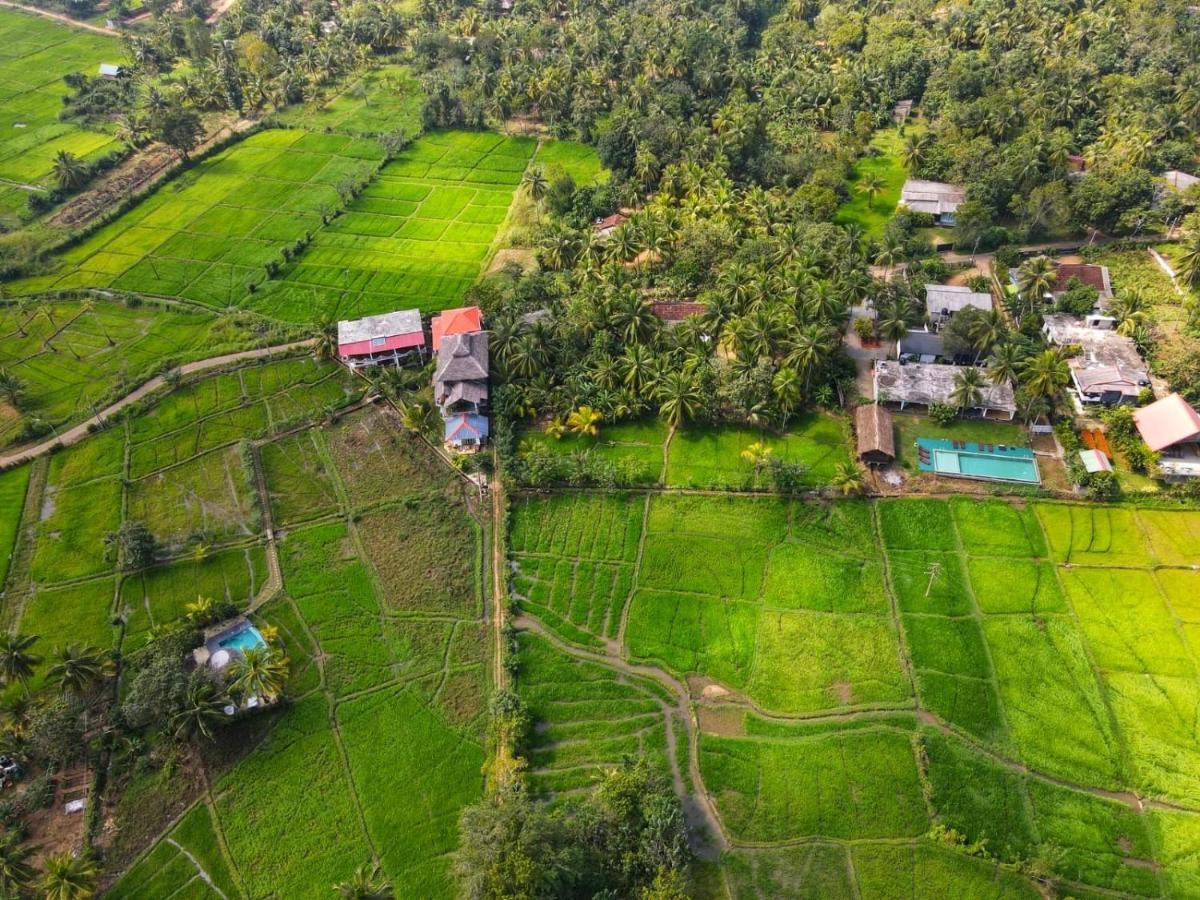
(404, 321)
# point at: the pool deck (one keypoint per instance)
(945, 457)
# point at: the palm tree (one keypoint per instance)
(70, 171)
(16, 662)
(1046, 374)
(871, 184)
(68, 877)
(1131, 310)
(367, 883)
(987, 330)
(892, 323)
(758, 455)
(1036, 279)
(678, 398)
(913, 152)
(1189, 262)
(260, 672)
(536, 183)
(847, 478)
(1004, 363)
(12, 389)
(203, 708)
(326, 345)
(200, 609)
(585, 420)
(968, 388)
(79, 670)
(16, 874)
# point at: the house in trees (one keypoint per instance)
(942, 301)
(1090, 275)
(1171, 428)
(1107, 369)
(460, 388)
(390, 338)
(455, 321)
(935, 198)
(1180, 181)
(606, 226)
(919, 386)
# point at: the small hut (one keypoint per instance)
(876, 440)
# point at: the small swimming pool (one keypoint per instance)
(245, 638)
(986, 462)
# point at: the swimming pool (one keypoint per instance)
(245, 638)
(986, 462)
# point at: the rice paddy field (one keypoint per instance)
(879, 686)
(35, 54)
(73, 357)
(417, 236)
(383, 100)
(179, 466)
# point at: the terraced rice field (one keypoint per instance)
(863, 672)
(208, 234)
(417, 236)
(35, 54)
(389, 689)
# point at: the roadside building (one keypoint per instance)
(919, 385)
(874, 435)
(942, 301)
(1171, 428)
(936, 198)
(374, 340)
(1107, 370)
(455, 321)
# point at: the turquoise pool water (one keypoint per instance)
(991, 462)
(244, 639)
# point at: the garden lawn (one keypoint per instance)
(573, 159)
(883, 160)
(35, 54)
(13, 484)
(711, 457)
(208, 234)
(417, 236)
(73, 360)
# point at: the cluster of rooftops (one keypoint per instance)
(460, 346)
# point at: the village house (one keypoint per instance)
(875, 436)
(942, 301)
(919, 345)
(905, 385)
(460, 388)
(1107, 370)
(1091, 275)
(110, 70)
(672, 312)
(1171, 428)
(901, 111)
(455, 321)
(606, 226)
(390, 338)
(933, 197)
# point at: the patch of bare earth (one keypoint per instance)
(843, 691)
(52, 829)
(726, 721)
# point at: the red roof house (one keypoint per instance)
(677, 311)
(380, 339)
(609, 224)
(456, 321)
(1166, 422)
(1093, 276)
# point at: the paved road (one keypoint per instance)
(80, 431)
(86, 26)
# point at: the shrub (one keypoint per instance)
(942, 413)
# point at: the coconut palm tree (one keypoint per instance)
(847, 478)
(200, 609)
(758, 455)
(892, 323)
(68, 877)
(260, 672)
(1035, 279)
(202, 710)
(1189, 261)
(1131, 311)
(16, 874)
(78, 670)
(585, 420)
(871, 184)
(968, 388)
(536, 184)
(987, 330)
(16, 661)
(12, 389)
(678, 398)
(1046, 374)
(70, 171)
(326, 340)
(914, 150)
(367, 883)
(1004, 363)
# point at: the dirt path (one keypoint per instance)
(499, 675)
(708, 836)
(80, 431)
(86, 26)
(219, 9)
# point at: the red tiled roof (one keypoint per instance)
(1093, 276)
(456, 321)
(611, 221)
(677, 312)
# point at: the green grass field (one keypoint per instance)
(208, 234)
(860, 210)
(1058, 638)
(418, 235)
(13, 484)
(35, 54)
(382, 101)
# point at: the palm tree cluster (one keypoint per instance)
(775, 302)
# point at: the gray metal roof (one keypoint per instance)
(952, 298)
(927, 383)
(922, 343)
(933, 197)
(403, 321)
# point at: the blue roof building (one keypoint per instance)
(466, 430)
